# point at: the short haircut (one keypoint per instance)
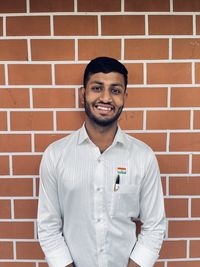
(105, 65)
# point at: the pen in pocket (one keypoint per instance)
(117, 183)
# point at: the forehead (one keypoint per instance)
(107, 78)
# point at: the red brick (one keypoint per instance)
(184, 186)
(168, 119)
(148, 5)
(29, 74)
(69, 74)
(43, 264)
(54, 98)
(184, 141)
(185, 97)
(146, 97)
(14, 98)
(75, 25)
(163, 179)
(4, 165)
(10, 6)
(17, 264)
(196, 163)
(197, 72)
(135, 73)
(170, 25)
(197, 120)
(29, 250)
(3, 120)
(159, 264)
(186, 6)
(6, 249)
(131, 120)
(139, 49)
(52, 49)
(169, 73)
(184, 264)
(69, 120)
(31, 121)
(21, 230)
(28, 26)
(15, 143)
(37, 186)
(5, 211)
(25, 209)
(186, 48)
(198, 24)
(173, 163)
(184, 229)
(2, 75)
(51, 5)
(92, 48)
(176, 207)
(99, 6)
(123, 25)
(173, 249)
(1, 26)
(43, 140)
(26, 165)
(195, 207)
(13, 50)
(194, 248)
(13, 187)
(157, 141)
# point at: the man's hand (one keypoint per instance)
(132, 264)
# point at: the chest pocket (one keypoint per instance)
(124, 202)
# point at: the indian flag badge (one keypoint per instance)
(121, 170)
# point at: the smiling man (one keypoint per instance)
(97, 182)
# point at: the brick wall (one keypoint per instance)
(44, 47)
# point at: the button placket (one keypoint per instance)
(99, 210)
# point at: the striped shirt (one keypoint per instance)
(83, 219)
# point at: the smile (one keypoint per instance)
(104, 108)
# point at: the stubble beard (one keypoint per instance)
(98, 121)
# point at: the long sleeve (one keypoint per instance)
(49, 216)
(152, 216)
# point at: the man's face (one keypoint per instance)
(104, 97)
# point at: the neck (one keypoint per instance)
(101, 136)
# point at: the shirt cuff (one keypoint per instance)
(143, 256)
(59, 258)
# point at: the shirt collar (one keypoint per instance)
(119, 137)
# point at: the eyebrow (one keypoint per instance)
(113, 84)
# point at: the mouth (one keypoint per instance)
(104, 109)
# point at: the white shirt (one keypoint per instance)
(80, 216)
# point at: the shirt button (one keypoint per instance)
(99, 160)
(101, 250)
(98, 220)
(98, 189)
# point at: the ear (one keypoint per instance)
(82, 95)
(125, 96)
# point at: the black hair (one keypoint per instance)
(105, 65)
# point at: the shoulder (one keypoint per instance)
(137, 145)
(55, 149)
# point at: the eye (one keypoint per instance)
(96, 88)
(116, 91)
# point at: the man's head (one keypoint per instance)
(105, 65)
(104, 91)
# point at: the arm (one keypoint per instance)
(152, 216)
(49, 216)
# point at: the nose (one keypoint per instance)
(105, 96)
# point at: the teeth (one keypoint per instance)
(103, 108)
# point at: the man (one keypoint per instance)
(96, 182)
